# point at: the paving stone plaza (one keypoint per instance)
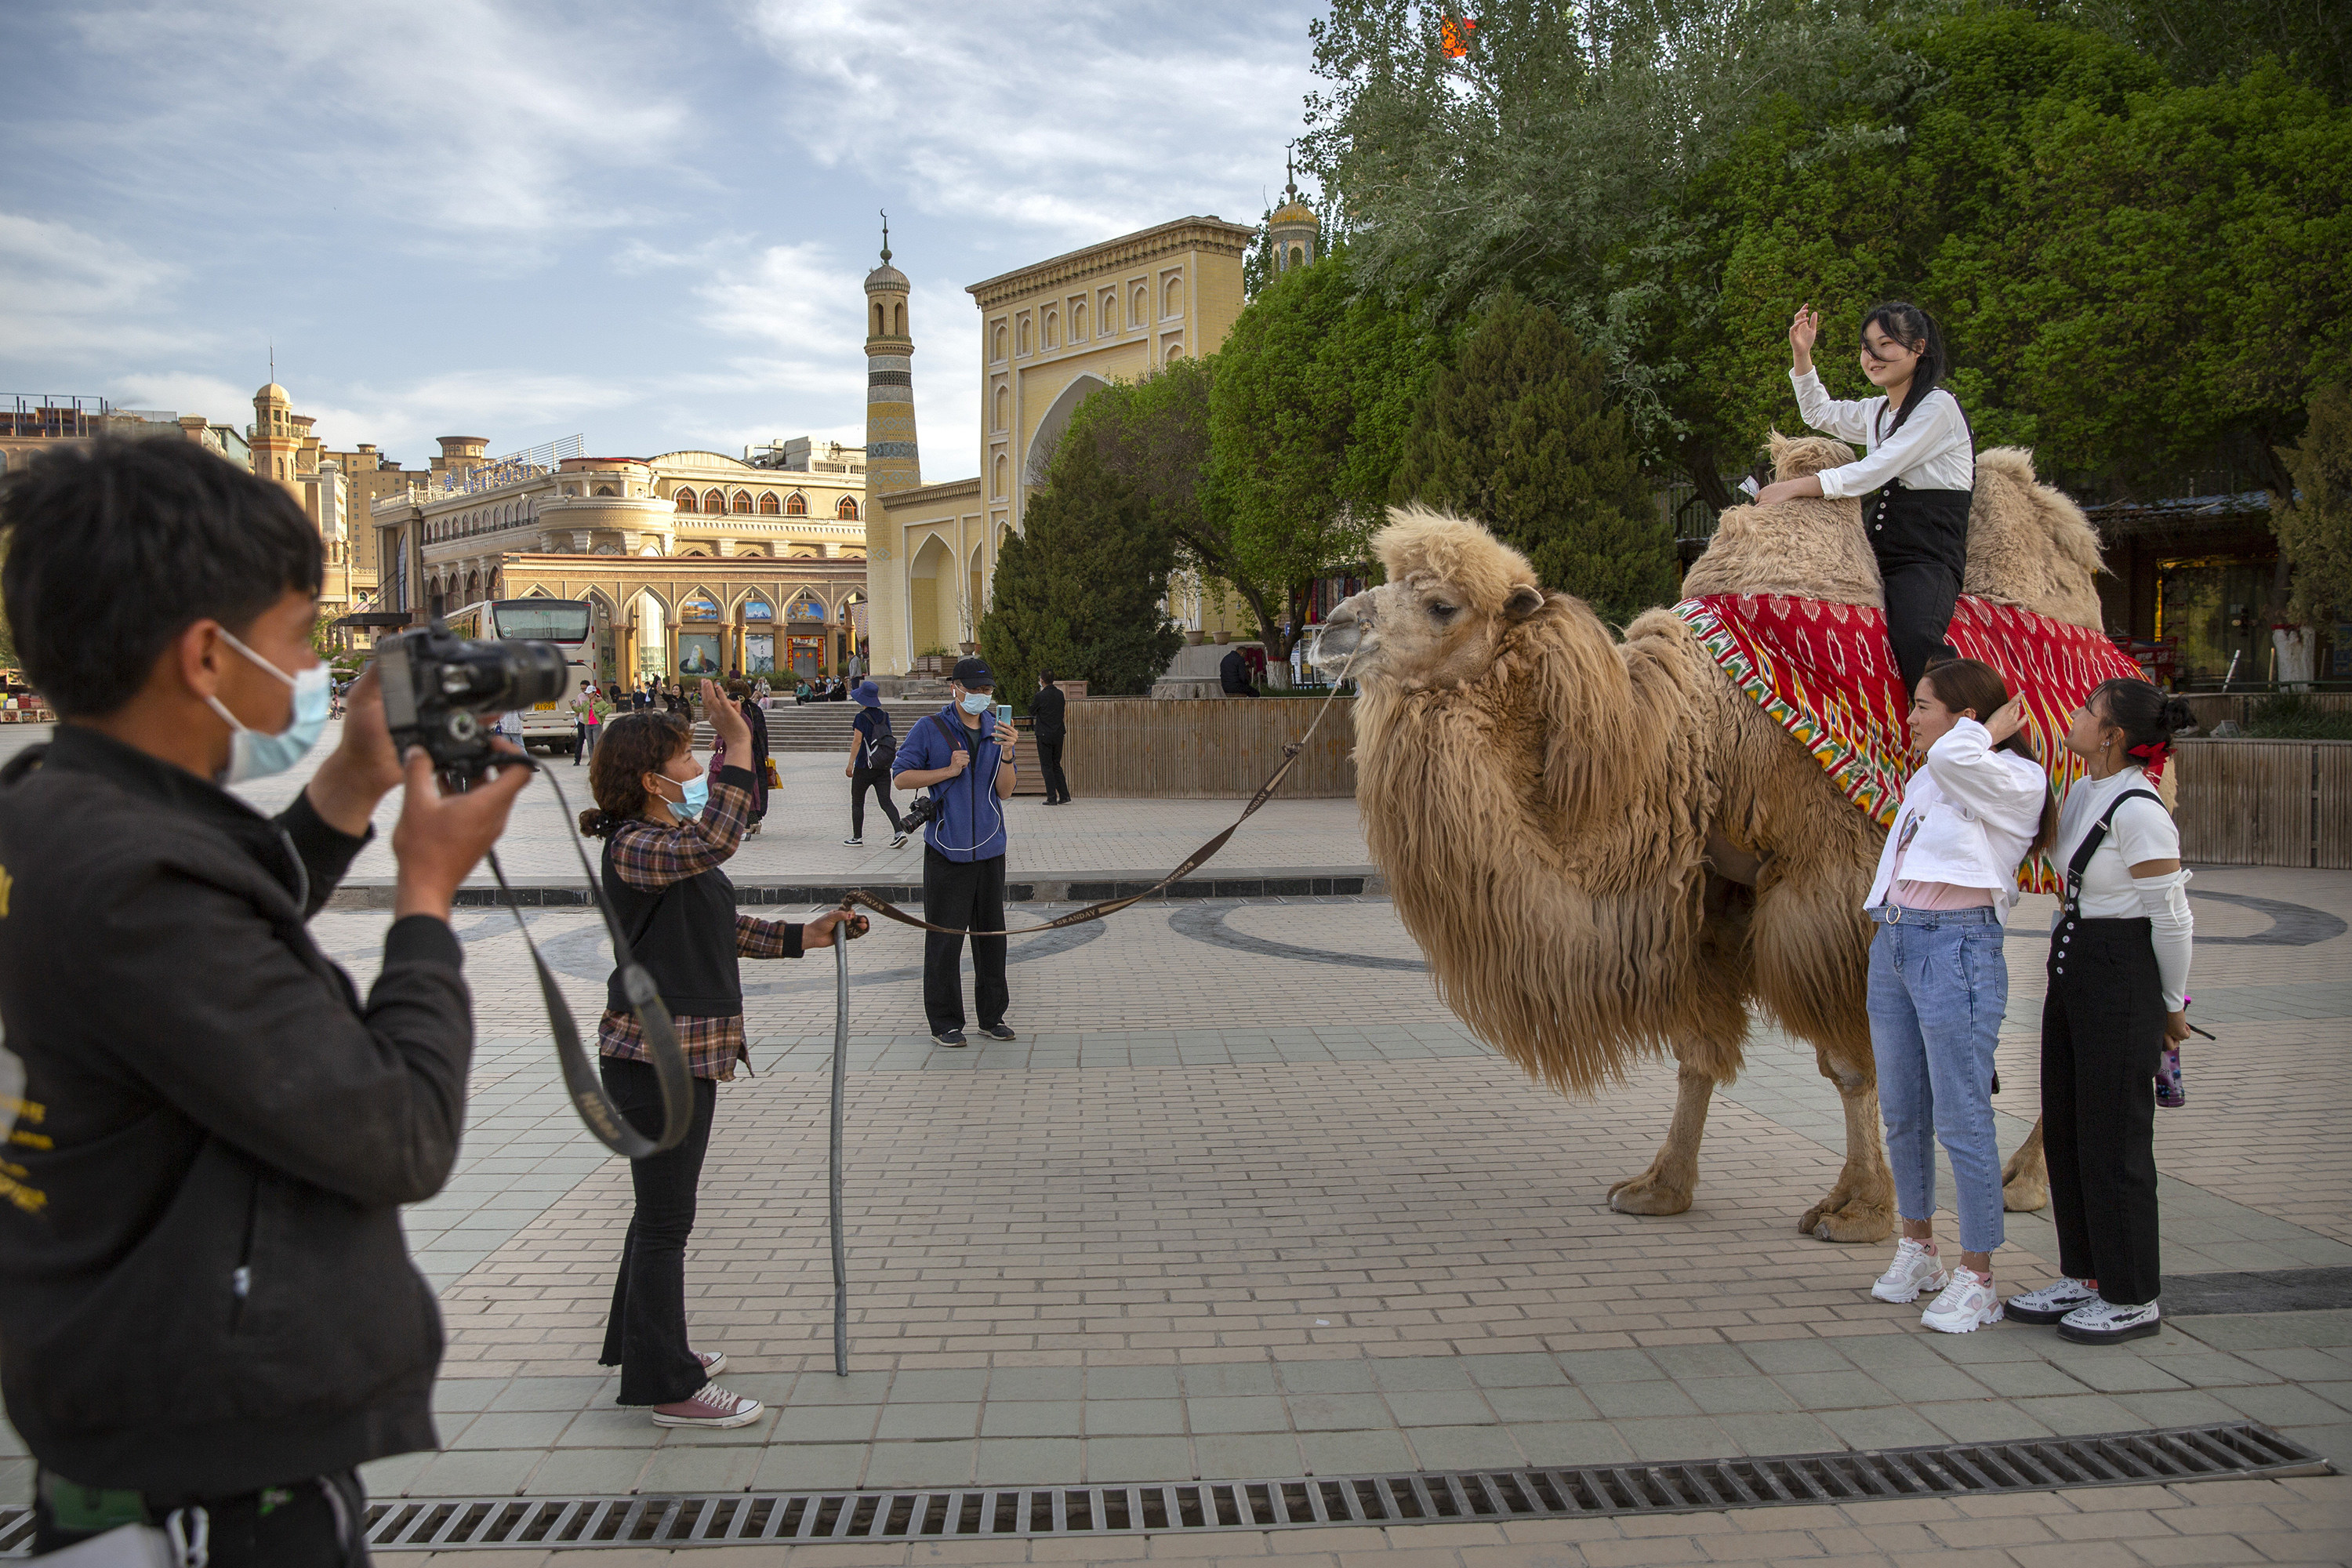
(1245, 1201)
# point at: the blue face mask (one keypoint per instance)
(978, 701)
(254, 755)
(697, 795)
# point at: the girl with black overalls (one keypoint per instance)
(667, 831)
(2118, 968)
(1921, 461)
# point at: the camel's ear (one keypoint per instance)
(1524, 602)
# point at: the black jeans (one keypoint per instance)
(968, 894)
(878, 780)
(1919, 599)
(645, 1334)
(321, 1523)
(2102, 1036)
(1049, 758)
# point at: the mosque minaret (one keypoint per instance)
(891, 461)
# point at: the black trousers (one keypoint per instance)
(2102, 1036)
(309, 1527)
(644, 1333)
(1049, 758)
(878, 780)
(1919, 599)
(968, 894)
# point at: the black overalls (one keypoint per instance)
(1921, 540)
(2101, 1038)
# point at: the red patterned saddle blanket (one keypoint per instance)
(1825, 674)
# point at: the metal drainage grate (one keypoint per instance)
(2173, 1454)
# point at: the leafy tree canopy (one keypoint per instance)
(2315, 534)
(1519, 433)
(1309, 402)
(1079, 590)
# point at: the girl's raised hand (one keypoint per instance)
(1803, 332)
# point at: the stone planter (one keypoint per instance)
(1223, 637)
(1194, 638)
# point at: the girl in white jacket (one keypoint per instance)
(1938, 982)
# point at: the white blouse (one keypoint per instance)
(1975, 810)
(1931, 452)
(2142, 831)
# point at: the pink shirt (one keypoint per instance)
(1928, 896)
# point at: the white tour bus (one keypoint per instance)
(567, 624)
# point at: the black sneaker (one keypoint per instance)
(898, 838)
(948, 1037)
(853, 842)
(998, 1032)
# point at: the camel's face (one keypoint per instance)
(1419, 630)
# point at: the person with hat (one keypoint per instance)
(871, 749)
(966, 759)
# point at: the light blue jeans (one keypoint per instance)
(1938, 986)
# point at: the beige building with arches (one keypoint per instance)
(1049, 334)
(656, 537)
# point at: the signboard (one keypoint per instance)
(759, 610)
(759, 653)
(697, 654)
(697, 610)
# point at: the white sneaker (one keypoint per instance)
(2052, 1302)
(711, 1406)
(853, 842)
(2103, 1322)
(1969, 1303)
(1915, 1268)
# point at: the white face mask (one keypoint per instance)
(978, 701)
(254, 755)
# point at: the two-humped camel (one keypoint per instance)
(1607, 851)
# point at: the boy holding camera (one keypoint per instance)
(209, 1318)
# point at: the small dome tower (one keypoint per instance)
(891, 461)
(1294, 228)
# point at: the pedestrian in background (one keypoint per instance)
(871, 748)
(966, 759)
(1233, 675)
(1045, 721)
(666, 832)
(739, 696)
(584, 708)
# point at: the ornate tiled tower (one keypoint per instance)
(1294, 228)
(891, 462)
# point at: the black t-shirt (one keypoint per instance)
(877, 747)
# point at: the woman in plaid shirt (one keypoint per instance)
(666, 832)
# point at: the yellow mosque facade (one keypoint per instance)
(1049, 333)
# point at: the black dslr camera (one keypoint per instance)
(437, 685)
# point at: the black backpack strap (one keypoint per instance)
(2096, 836)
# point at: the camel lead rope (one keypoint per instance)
(840, 1072)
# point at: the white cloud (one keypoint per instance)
(185, 391)
(75, 296)
(461, 118)
(1081, 120)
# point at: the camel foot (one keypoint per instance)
(1648, 1193)
(1854, 1220)
(2029, 1194)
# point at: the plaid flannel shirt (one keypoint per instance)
(651, 857)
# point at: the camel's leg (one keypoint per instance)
(2025, 1180)
(1666, 1186)
(1861, 1207)
(1706, 1052)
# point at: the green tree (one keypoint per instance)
(1308, 408)
(2315, 535)
(2206, 41)
(1079, 590)
(1520, 435)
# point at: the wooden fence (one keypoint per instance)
(2265, 803)
(1215, 748)
(2242, 802)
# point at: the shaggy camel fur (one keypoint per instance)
(1667, 854)
(1541, 799)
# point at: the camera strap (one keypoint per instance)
(662, 1052)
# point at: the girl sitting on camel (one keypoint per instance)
(1939, 984)
(1922, 462)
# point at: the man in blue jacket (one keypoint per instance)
(966, 761)
(209, 1318)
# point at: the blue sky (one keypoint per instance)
(649, 224)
